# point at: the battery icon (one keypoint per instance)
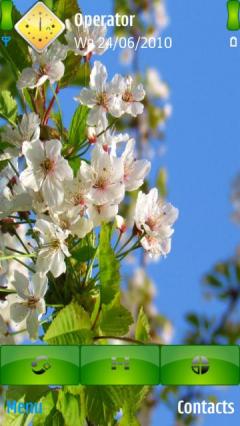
(6, 23)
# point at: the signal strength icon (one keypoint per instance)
(6, 40)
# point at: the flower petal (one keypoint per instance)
(98, 77)
(39, 285)
(18, 311)
(58, 266)
(28, 180)
(98, 117)
(21, 284)
(87, 97)
(53, 148)
(52, 190)
(28, 78)
(44, 261)
(32, 324)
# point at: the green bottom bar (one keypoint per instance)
(200, 365)
(120, 365)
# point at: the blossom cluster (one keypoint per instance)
(62, 206)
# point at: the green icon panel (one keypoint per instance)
(6, 23)
(199, 365)
(120, 365)
(40, 365)
(233, 8)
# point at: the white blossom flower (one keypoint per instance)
(160, 14)
(167, 110)
(73, 221)
(85, 40)
(102, 213)
(106, 173)
(155, 87)
(100, 97)
(28, 130)
(51, 256)
(156, 16)
(126, 56)
(107, 139)
(46, 66)
(167, 332)
(31, 305)
(129, 95)
(76, 192)
(13, 197)
(135, 170)
(46, 170)
(155, 218)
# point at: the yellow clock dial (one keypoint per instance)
(40, 27)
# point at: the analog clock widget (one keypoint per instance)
(40, 27)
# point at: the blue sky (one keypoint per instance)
(202, 155)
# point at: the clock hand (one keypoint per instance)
(40, 24)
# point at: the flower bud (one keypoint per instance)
(91, 135)
(121, 224)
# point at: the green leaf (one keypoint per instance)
(84, 251)
(142, 327)
(66, 8)
(212, 281)
(108, 266)
(74, 390)
(6, 75)
(131, 397)
(28, 393)
(128, 419)
(54, 418)
(75, 165)
(3, 164)
(223, 269)
(72, 326)
(115, 319)
(49, 3)
(76, 74)
(193, 319)
(100, 404)
(72, 408)
(13, 419)
(8, 106)
(4, 145)
(77, 131)
(103, 402)
(96, 310)
(48, 404)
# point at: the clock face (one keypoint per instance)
(40, 27)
